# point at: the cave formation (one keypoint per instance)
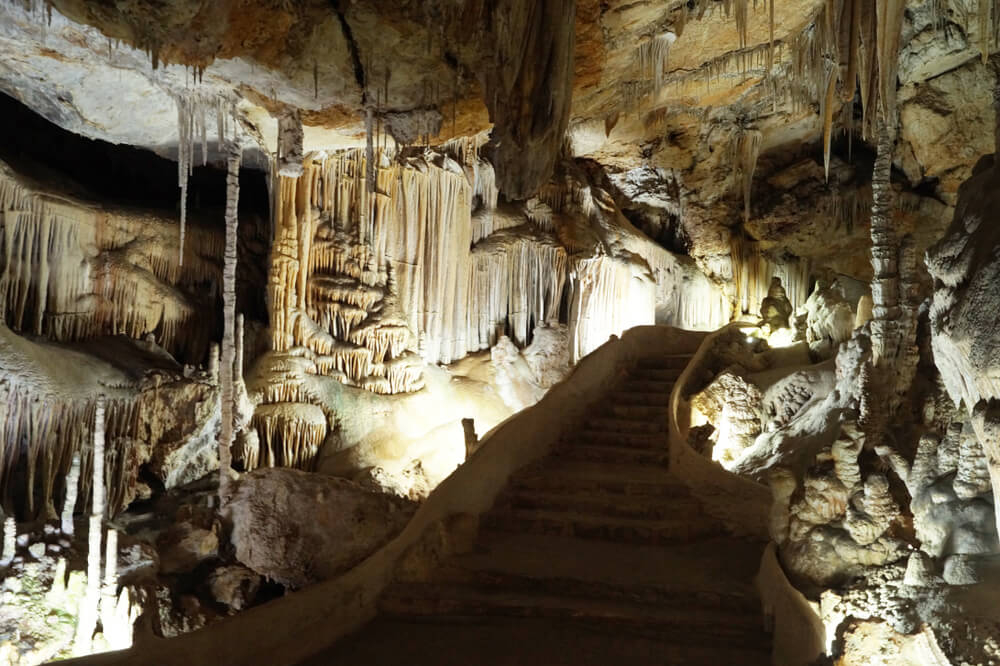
(456, 331)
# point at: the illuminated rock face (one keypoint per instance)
(466, 199)
(346, 523)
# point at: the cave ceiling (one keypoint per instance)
(667, 86)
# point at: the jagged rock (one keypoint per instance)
(829, 318)
(184, 546)
(947, 123)
(734, 404)
(138, 562)
(183, 421)
(344, 523)
(234, 586)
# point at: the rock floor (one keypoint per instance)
(597, 554)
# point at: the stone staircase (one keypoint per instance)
(596, 554)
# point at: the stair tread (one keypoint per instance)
(721, 565)
(626, 452)
(597, 519)
(501, 641)
(563, 468)
(683, 501)
(490, 600)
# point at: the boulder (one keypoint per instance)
(298, 528)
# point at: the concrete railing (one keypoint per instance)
(290, 629)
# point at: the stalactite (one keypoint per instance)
(653, 55)
(72, 271)
(889, 17)
(229, 321)
(609, 297)
(290, 435)
(516, 284)
(746, 150)
(828, 107)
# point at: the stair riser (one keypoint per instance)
(669, 534)
(651, 457)
(657, 375)
(499, 582)
(630, 440)
(688, 632)
(682, 506)
(663, 363)
(646, 386)
(639, 398)
(605, 424)
(582, 485)
(650, 413)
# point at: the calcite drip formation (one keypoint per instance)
(387, 263)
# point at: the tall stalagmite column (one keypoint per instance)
(884, 255)
(229, 322)
(87, 617)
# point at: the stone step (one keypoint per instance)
(604, 504)
(520, 641)
(665, 361)
(656, 374)
(684, 625)
(608, 528)
(615, 454)
(631, 385)
(564, 475)
(615, 424)
(624, 439)
(636, 412)
(718, 571)
(638, 398)
(487, 580)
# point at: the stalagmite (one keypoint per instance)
(238, 351)
(109, 588)
(885, 284)
(87, 617)
(226, 370)
(9, 540)
(69, 505)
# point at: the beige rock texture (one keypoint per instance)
(275, 535)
